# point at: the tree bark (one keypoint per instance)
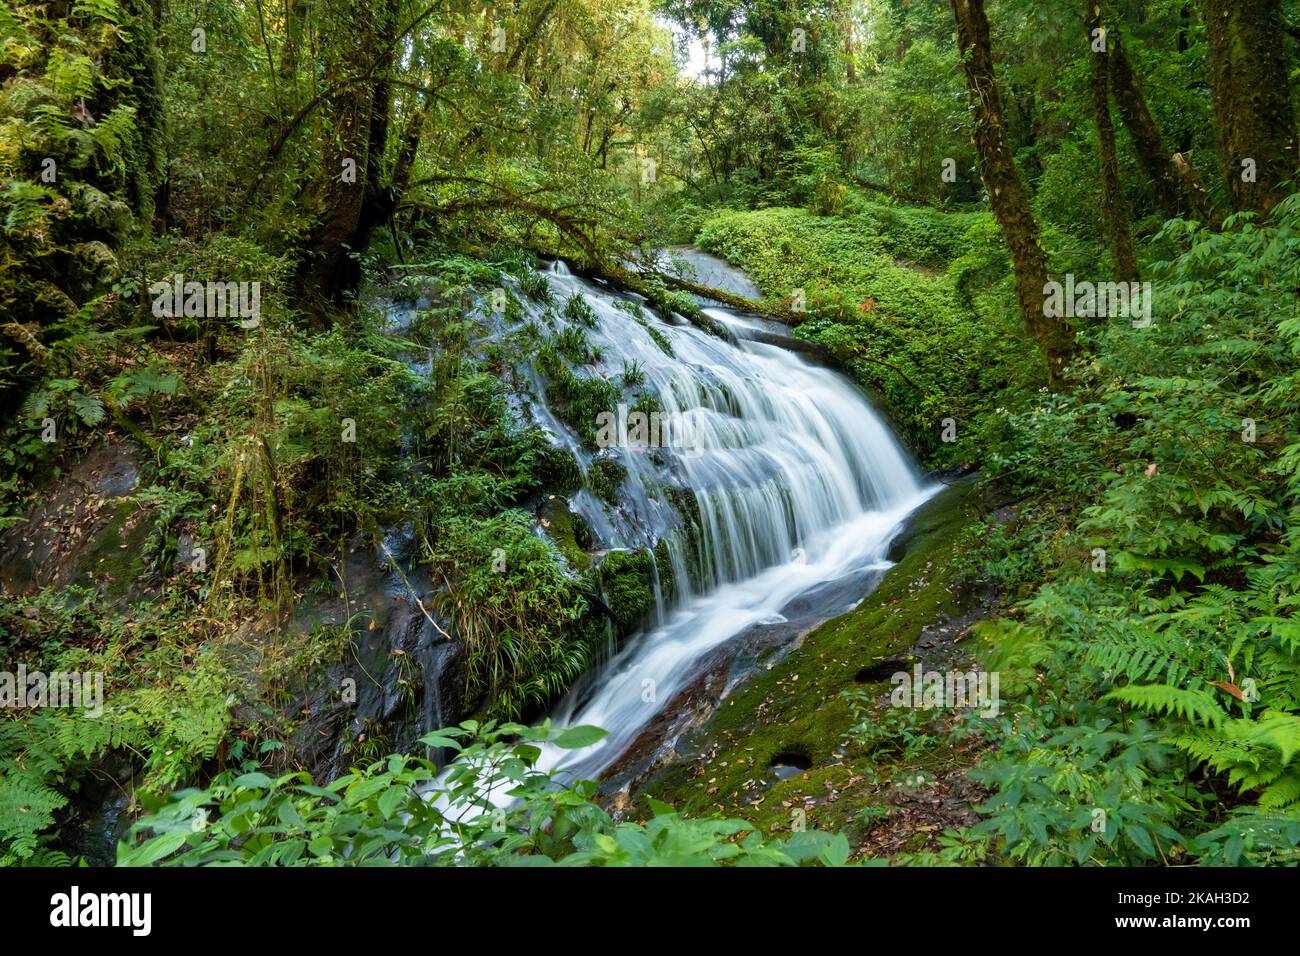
(1178, 190)
(1114, 208)
(1007, 193)
(1252, 101)
(357, 131)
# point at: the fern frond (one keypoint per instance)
(1282, 792)
(1193, 705)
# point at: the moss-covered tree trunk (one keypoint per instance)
(1252, 100)
(1007, 193)
(351, 194)
(1178, 190)
(1113, 206)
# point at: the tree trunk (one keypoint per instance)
(1114, 208)
(1143, 131)
(1178, 190)
(1007, 193)
(1252, 100)
(352, 205)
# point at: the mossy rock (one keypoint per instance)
(115, 558)
(605, 479)
(569, 532)
(558, 471)
(626, 583)
(667, 585)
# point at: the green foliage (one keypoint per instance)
(167, 727)
(905, 732)
(77, 166)
(1172, 586)
(579, 400)
(606, 480)
(626, 581)
(1071, 786)
(1161, 687)
(514, 607)
(403, 811)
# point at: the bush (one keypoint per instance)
(404, 811)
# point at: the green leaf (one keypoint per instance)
(574, 738)
(390, 799)
(837, 852)
(151, 851)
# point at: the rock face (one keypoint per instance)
(404, 678)
(100, 812)
(711, 271)
(85, 529)
(401, 677)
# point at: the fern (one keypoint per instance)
(1252, 836)
(1283, 791)
(100, 9)
(25, 207)
(71, 74)
(1254, 754)
(27, 807)
(1194, 705)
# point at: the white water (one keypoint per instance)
(798, 482)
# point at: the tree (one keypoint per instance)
(1114, 208)
(1007, 193)
(1252, 100)
(1178, 190)
(350, 187)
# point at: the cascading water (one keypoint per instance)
(795, 482)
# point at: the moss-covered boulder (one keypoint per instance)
(625, 580)
(605, 479)
(557, 470)
(569, 532)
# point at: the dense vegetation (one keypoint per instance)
(901, 180)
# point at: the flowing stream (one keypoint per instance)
(796, 482)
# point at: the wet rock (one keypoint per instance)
(98, 814)
(403, 678)
(83, 529)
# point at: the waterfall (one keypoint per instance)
(796, 482)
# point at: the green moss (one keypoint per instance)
(664, 568)
(685, 504)
(797, 705)
(658, 338)
(568, 531)
(579, 400)
(626, 581)
(115, 557)
(605, 479)
(557, 470)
